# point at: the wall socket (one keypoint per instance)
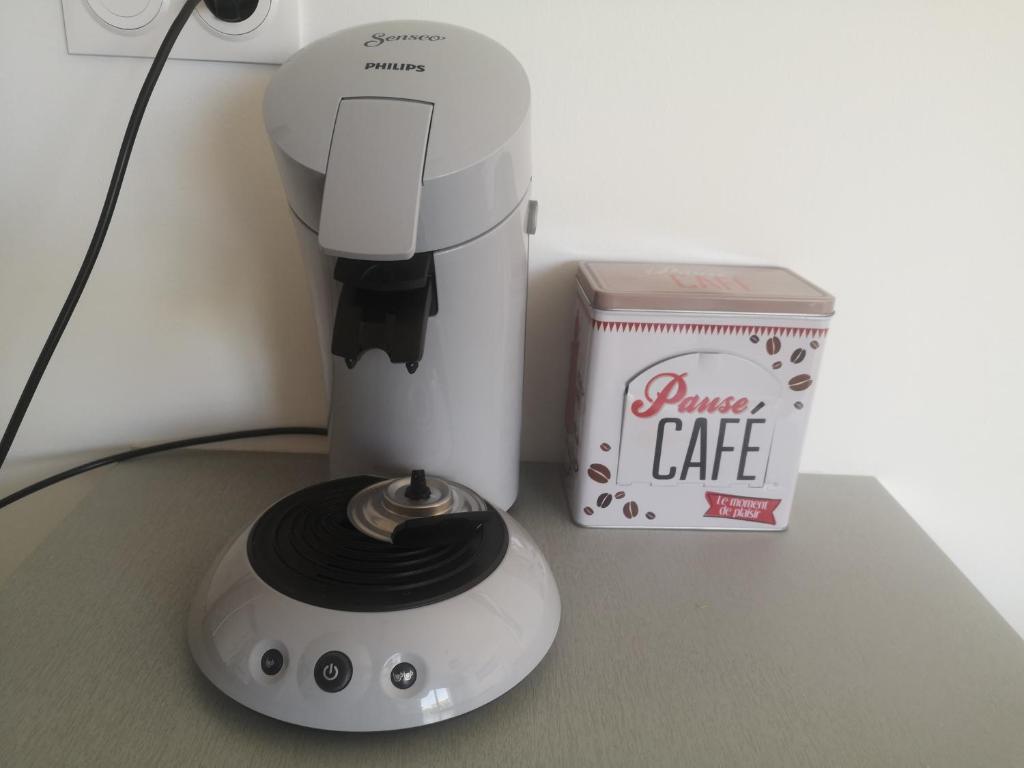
(136, 28)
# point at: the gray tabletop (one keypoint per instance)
(848, 640)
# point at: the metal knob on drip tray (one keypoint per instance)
(383, 509)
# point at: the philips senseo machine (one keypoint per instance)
(405, 153)
(400, 592)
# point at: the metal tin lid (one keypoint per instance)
(381, 508)
(612, 285)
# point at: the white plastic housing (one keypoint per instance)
(467, 650)
(409, 137)
(459, 416)
(476, 167)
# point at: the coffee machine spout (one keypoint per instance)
(369, 220)
(384, 305)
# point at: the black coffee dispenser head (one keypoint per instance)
(384, 305)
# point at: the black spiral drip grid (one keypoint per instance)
(305, 547)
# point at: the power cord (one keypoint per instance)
(138, 453)
(84, 272)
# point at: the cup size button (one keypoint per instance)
(403, 676)
(272, 662)
(333, 671)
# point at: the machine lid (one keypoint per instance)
(374, 175)
(383, 108)
(611, 285)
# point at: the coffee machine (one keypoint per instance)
(400, 592)
(404, 149)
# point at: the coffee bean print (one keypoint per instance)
(800, 383)
(599, 473)
(630, 509)
(650, 515)
(604, 500)
(605, 447)
(798, 355)
(620, 494)
(588, 510)
(777, 364)
(773, 345)
(815, 345)
(754, 339)
(798, 405)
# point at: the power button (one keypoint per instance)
(333, 671)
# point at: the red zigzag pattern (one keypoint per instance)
(605, 325)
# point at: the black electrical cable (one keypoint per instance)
(137, 453)
(78, 288)
(106, 214)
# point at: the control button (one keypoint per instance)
(333, 671)
(272, 662)
(403, 675)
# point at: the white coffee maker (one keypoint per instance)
(400, 592)
(405, 153)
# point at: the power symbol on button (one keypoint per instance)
(333, 671)
(272, 662)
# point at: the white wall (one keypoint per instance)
(875, 147)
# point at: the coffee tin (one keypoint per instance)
(689, 391)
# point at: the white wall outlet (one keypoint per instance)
(136, 27)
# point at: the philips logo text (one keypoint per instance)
(390, 65)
